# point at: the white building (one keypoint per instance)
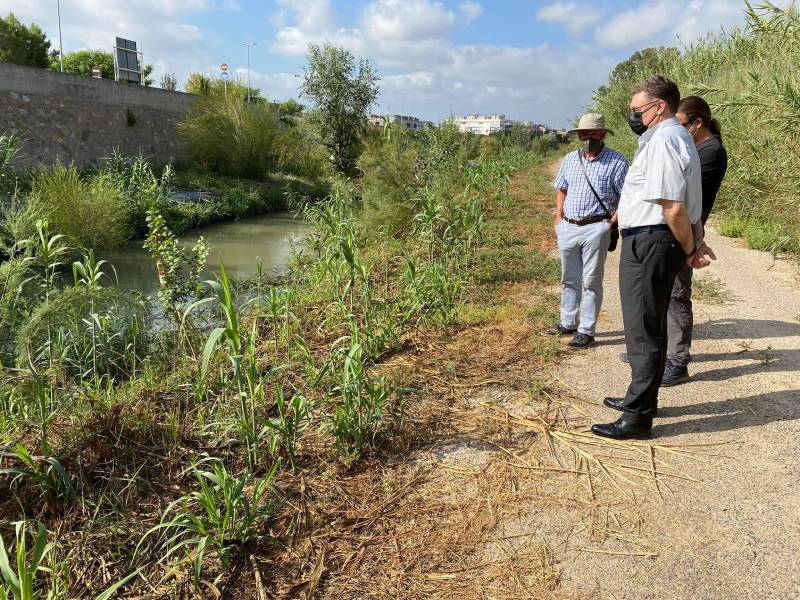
(481, 124)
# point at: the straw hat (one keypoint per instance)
(591, 121)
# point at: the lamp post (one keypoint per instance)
(248, 44)
(60, 43)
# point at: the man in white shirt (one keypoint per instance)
(659, 220)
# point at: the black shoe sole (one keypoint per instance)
(562, 333)
(637, 436)
(581, 347)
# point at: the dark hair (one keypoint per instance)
(662, 89)
(694, 107)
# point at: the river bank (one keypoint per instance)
(290, 394)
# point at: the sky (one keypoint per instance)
(531, 60)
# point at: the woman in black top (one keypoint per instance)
(694, 114)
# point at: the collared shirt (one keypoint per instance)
(665, 167)
(607, 174)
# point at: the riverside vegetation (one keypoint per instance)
(156, 452)
(750, 78)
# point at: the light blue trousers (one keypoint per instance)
(583, 250)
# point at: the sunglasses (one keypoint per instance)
(638, 111)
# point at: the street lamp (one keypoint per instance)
(60, 43)
(248, 44)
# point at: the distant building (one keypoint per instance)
(481, 124)
(407, 121)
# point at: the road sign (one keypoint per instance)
(224, 76)
(223, 67)
(97, 73)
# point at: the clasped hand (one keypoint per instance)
(702, 257)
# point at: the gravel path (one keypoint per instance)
(736, 534)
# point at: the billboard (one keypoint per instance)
(127, 61)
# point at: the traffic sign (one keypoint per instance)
(224, 67)
(97, 73)
(224, 76)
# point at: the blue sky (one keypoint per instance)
(533, 60)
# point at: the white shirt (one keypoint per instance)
(665, 167)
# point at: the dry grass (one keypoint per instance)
(491, 479)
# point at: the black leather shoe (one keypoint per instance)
(581, 340)
(674, 374)
(623, 430)
(618, 404)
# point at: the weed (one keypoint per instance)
(710, 290)
(358, 403)
(223, 514)
(19, 583)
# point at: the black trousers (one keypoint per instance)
(648, 265)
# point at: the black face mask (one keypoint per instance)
(635, 118)
(635, 121)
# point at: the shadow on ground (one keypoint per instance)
(752, 329)
(735, 413)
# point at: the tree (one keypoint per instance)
(342, 93)
(291, 107)
(169, 82)
(23, 44)
(198, 83)
(81, 62)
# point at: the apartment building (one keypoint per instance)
(482, 124)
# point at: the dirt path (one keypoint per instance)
(736, 533)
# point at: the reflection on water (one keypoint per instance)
(239, 244)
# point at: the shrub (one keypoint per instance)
(750, 78)
(390, 181)
(9, 148)
(225, 133)
(91, 212)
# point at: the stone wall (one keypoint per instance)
(82, 120)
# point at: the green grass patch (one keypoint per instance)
(236, 197)
(761, 234)
(499, 265)
(710, 290)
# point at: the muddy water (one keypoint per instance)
(239, 244)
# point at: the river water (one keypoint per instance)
(239, 244)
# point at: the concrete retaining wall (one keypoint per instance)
(82, 120)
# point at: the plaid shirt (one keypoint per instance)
(607, 174)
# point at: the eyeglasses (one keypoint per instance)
(638, 111)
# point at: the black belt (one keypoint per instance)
(644, 229)
(588, 221)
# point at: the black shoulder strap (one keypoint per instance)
(591, 187)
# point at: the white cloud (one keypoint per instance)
(575, 17)
(406, 20)
(632, 27)
(471, 10)
(671, 23)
